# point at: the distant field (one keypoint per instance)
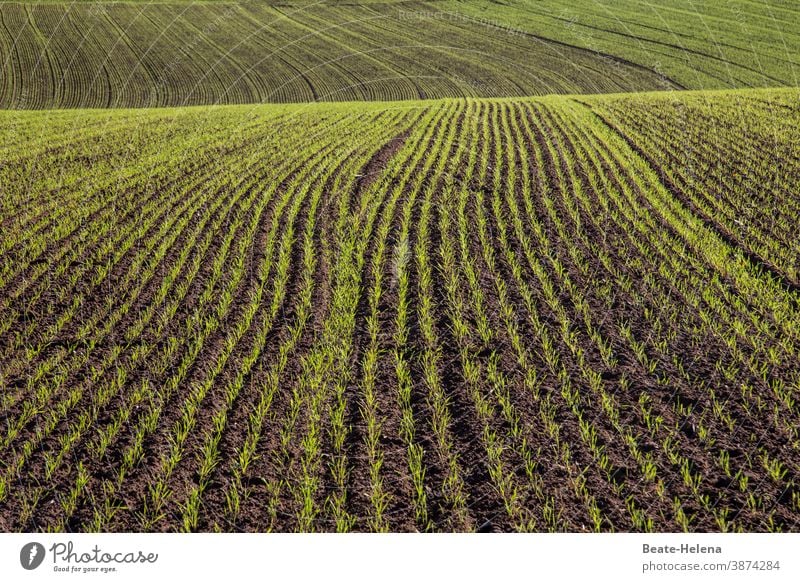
(563, 313)
(132, 54)
(135, 54)
(699, 44)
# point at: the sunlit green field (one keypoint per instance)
(548, 314)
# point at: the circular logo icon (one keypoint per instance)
(31, 555)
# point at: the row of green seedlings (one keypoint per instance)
(137, 356)
(788, 345)
(51, 186)
(448, 258)
(159, 491)
(96, 240)
(100, 209)
(486, 385)
(736, 324)
(207, 293)
(747, 392)
(53, 159)
(592, 378)
(551, 356)
(350, 272)
(605, 401)
(340, 324)
(69, 131)
(236, 493)
(576, 217)
(775, 308)
(314, 392)
(502, 169)
(456, 514)
(113, 362)
(198, 329)
(327, 382)
(208, 455)
(47, 392)
(453, 483)
(321, 178)
(647, 364)
(177, 214)
(402, 261)
(513, 169)
(107, 261)
(765, 216)
(107, 252)
(379, 203)
(405, 166)
(762, 359)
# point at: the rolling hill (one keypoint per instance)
(143, 54)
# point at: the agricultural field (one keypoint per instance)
(144, 54)
(697, 44)
(558, 313)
